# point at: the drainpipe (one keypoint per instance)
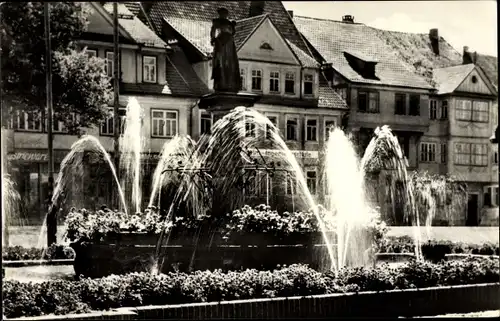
(303, 127)
(191, 116)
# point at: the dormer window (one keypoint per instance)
(149, 69)
(308, 84)
(362, 64)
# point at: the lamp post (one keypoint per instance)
(52, 213)
(116, 87)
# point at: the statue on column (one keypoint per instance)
(225, 66)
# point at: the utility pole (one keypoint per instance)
(52, 212)
(116, 88)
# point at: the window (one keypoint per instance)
(491, 197)
(274, 82)
(471, 154)
(463, 110)
(163, 123)
(414, 105)
(292, 125)
(400, 104)
(205, 123)
(291, 184)
(311, 129)
(311, 181)
(59, 127)
(108, 126)
(433, 109)
(28, 121)
(368, 102)
(495, 157)
(444, 110)
(149, 69)
(444, 154)
(290, 83)
(249, 128)
(257, 80)
(91, 53)
(274, 121)
(329, 125)
(308, 84)
(480, 111)
(243, 79)
(342, 91)
(110, 62)
(427, 152)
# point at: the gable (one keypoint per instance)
(475, 83)
(267, 44)
(101, 23)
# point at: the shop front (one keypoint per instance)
(29, 171)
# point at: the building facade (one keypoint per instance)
(442, 109)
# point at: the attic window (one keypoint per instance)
(266, 46)
(474, 79)
(362, 64)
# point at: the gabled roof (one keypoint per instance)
(200, 12)
(137, 30)
(332, 38)
(245, 28)
(449, 78)
(197, 33)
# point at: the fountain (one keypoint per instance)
(131, 145)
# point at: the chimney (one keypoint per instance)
(348, 19)
(434, 38)
(256, 8)
(468, 57)
(290, 12)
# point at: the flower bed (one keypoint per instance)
(140, 289)
(54, 252)
(108, 242)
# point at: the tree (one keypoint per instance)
(80, 85)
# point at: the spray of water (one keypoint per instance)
(131, 145)
(346, 200)
(230, 152)
(384, 154)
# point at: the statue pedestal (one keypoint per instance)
(225, 101)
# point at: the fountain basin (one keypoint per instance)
(193, 250)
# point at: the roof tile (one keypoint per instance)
(332, 38)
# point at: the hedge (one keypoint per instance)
(137, 289)
(54, 252)
(435, 250)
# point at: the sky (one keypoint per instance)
(460, 23)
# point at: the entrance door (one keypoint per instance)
(472, 210)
